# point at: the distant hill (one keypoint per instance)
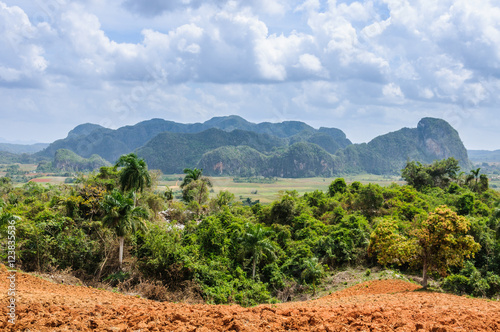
(12, 158)
(484, 155)
(230, 145)
(84, 129)
(172, 152)
(433, 139)
(67, 160)
(23, 148)
(297, 160)
(89, 139)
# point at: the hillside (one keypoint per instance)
(232, 146)
(172, 152)
(433, 139)
(89, 139)
(67, 160)
(380, 305)
(22, 148)
(12, 158)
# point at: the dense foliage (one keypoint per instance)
(235, 253)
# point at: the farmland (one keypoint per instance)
(268, 192)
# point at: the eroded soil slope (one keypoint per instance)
(383, 305)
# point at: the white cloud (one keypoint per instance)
(308, 5)
(22, 59)
(9, 74)
(275, 53)
(298, 57)
(426, 93)
(392, 92)
(310, 62)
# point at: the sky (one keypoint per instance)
(365, 67)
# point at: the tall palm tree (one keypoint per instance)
(195, 186)
(475, 175)
(256, 241)
(313, 271)
(191, 175)
(122, 216)
(134, 175)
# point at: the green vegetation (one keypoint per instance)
(255, 179)
(231, 252)
(195, 188)
(68, 161)
(232, 146)
(306, 154)
(121, 216)
(134, 175)
(22, 148)
(12, 158)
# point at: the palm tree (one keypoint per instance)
(134, 175)
(195, 186)
(122, 216)
(313, 271)
(475, 175)
(256, 241)
(191, 175)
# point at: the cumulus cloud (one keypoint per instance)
(22, 60)
(392, 93)
(299, 57)
(158, 7)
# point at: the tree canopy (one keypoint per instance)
(134, 174)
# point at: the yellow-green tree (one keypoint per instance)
(434, 244)
(442, 241)
(389, 245)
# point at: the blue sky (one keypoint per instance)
(366, 67)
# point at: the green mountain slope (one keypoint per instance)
(89, 139)
(12, 158)
(438, 140)
(301, 160)
(232, 160)
(22, 148)
(230, 145)
(67, 160)
(433, 139)
(172, 152)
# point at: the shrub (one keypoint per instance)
(457, 284)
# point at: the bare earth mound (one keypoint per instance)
(384, 305)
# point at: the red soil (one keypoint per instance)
(39, 180)
(385, 305)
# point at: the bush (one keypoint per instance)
(457, 284)
(337, 186)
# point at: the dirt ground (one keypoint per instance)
(383, 305)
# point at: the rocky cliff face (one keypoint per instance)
(437, 139)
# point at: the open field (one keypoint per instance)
(378, 305)
(266, 193)
(49, 179)
(263, 192)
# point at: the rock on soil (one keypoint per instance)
(383, 305)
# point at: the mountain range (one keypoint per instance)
(230, 145)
